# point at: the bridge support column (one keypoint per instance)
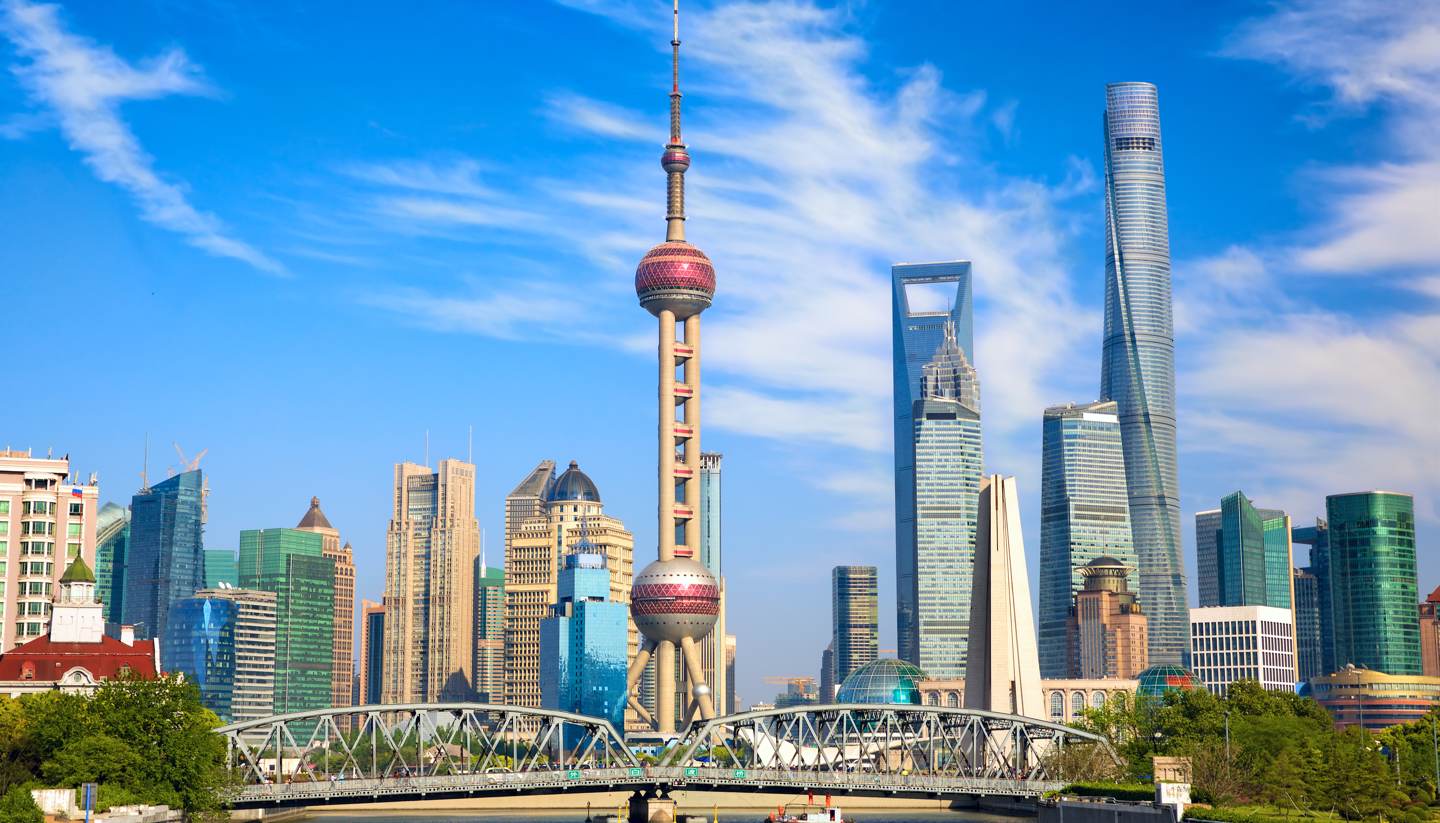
(651, 807)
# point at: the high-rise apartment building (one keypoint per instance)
(1107, 630)
(47, 520)
(430, 551)
(948, 462)
(1309, 662)
(730, 699)
(1244, 555)
(292, 564)
(253, 694)
(1430, 634)
(712, 646)
(199, 643)
(1138, 361)
(372, 652)
(558, 513)
(1084, 516)
(222, 568)
(112, 539)
(584, 641)
(923, 308)
(342, 666)
(1003, 670)
(855, 613)
(166, 557)
(1373, 581)
(1317, 538)
(1230, 643)
(489, 665)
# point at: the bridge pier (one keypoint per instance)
(651, 806)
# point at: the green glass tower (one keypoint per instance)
(221, 566)
(1373, 581)
(289, 563)
(489, 662)
(1244, 555)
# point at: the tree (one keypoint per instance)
(97, 759)
(1284, 783)
(16, 806)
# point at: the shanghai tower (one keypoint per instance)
(1138, 363)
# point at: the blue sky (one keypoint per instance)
(302, 237)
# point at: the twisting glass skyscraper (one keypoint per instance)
(918, 327)
(1138, 363)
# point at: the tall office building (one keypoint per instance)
(112, 539)
(827, 673)
(855, 620)
(372, 652)
(1243, 555)
(199, 643)
(1138, 362)
(342, 666)
(292, 564)
(919, 323)
(567, 508)
(584, 640)
(1107, 632)
(730, 699)
(1373, 581)
(253, 695)
(1308, 660)
(1317, 538)
(1084, 516)
(166, 559)
(1003, 671)
(1231, 643)
(712, 647)
(47, 520)
(430, 551)
(676, 600)
(222, 568)
(489, 664)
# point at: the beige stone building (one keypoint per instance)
(1108, 634)
(342, 665)
(1064, 699)
(47, 519)
(544, 518)
(430, 551)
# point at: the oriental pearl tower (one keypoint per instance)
(675, 600)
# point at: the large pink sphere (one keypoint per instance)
(675, 276)
(675, 599)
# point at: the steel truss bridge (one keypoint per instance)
(417, 751)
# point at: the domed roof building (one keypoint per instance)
(883, 681)
(573, 485)
(1157, 680)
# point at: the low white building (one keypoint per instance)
(1230, 643)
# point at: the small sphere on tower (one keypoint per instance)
(676, 276)
(675, 160)
(675, 599)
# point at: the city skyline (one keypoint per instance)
(260, 468)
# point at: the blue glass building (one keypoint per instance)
(166, 555)
(199, 642)
(1317, 537)
(710, 511)
(1243, 555)
(112, 540)
(1137, 368)
(922, 303)
(1084, 515)
(583, 643)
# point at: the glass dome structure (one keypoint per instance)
(573, 485)
(885, 681)
(1157, 680)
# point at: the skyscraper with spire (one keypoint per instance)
(1138, 362)
(676, 599)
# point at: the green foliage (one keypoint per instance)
(111, 795)
(1119, 791)
(16, 806)
(148, 739)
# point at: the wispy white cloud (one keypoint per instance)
(84, 83)
(505, 310)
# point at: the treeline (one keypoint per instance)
(141, 740)
(1284, 753)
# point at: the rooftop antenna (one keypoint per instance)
(145, 466)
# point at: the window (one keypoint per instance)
(77, 509)
(72, 530)
(1077, 704)
(952, 700)
(4, 526)
(72, 551)
(1057, 706)
(4, 506)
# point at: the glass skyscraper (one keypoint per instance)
(1137, 368)
(948, 464)
(1317, 537)
(855, 614)
(1373, 583)
(221, 568)
(584, 641)
(1084, 515)
(917, 331)
(290, 563)
(1243, 555)
(1308, 659)
(165, 557)
(710, 511)
(112, 539)
(489, 663)
(199, 643)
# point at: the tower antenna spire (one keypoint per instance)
(676, 159)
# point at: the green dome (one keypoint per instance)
(78, 573)
(1157, 680)
(886, 680)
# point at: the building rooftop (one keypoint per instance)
(573, 485)
(314, 518)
